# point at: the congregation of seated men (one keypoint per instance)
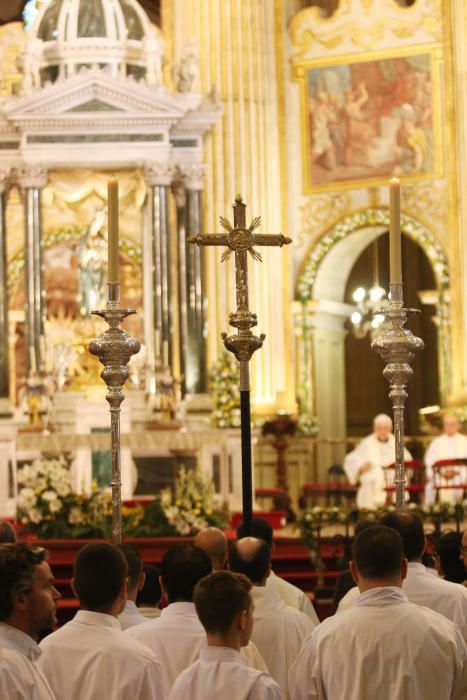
(230, 628)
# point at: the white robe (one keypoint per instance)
(370, 450)
(90, 658)
(445, 447)
(131, 616)
(20, 677)
(278, 632)
(384, 648)
(422, 588)
(221, 673)
(177, 637)
(293, 596)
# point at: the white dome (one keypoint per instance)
(114, 35)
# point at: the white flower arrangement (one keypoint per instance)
(191, 507)
(44, 487)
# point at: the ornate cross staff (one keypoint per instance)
(241, 240)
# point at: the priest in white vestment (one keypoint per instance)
(364, 465)
(225, 608)
(420, 586)
(450, 445)
(131, 616)
(290, 594)
(278, 630)
(90, 657)
(385, 647)
(177, 636)
(28, 602)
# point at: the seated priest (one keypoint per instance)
(450, 445)
(384, 647)
(364, 465)
(225, 609)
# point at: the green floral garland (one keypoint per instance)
(225, 390)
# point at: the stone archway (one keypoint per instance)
(320, 289)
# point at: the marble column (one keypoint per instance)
(31, 180)
(194, 281)
(179, 192)
(158, 178)
(4, 348)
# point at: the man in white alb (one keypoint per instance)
(278, 630)
(214, 543)
(420, 586)
(290, 594)
(384, 647)
(364, 465)
(225, 608)
(28, 603)
(90, 657)
(177, 636)
(450, 445)
(136, 578)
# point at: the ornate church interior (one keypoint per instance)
(337, 124)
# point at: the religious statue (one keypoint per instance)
(92, 265)
(186, 74)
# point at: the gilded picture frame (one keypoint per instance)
(368, 117)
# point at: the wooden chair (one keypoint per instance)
(336, 486)
(441, 483)
(415, 484)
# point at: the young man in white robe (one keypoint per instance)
(364, 465)
(384, 647)
(28, 603)
(177, 636)
(450, 445)
(290, 594)
(420, 586)
(90, 658)
(131, 616)
(225, 608)
(278, 630)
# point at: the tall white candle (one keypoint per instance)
(395, 265)
(112, 206)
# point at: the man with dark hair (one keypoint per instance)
(7, 532)
(290, 594)
(420, 587)
(384, 647)
(177, 635)
(214, 543)
(28, 602)
(279, 629)
(136, 577)
(149, 595)
(90, 657)
(225, 608)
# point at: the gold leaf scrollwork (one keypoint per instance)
(321, 211)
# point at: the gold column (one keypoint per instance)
(237, 46)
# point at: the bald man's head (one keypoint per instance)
(252, 557)
(214, 543)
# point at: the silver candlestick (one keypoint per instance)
(397, 346)
(114, 347)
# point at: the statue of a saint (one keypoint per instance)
(92, 265)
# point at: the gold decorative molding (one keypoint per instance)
(426, 201)
(365, 24)
(12, 40)
(319, 212)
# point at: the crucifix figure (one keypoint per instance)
(241, 240)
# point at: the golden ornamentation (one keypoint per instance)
(321, 211)
(12, 40)
(308, 28)
(425, 200)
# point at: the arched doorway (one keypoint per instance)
(366, 388)
(321, 289)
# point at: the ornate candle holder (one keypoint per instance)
(114, 347)
(397, 346)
